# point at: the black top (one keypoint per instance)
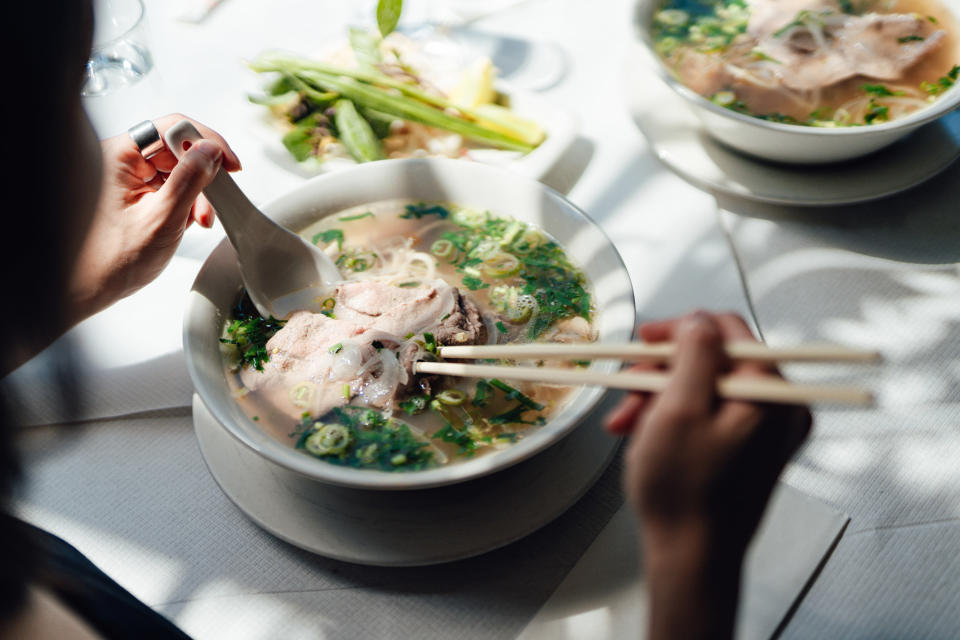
(92, 595)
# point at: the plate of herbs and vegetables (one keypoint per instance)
(382, 95)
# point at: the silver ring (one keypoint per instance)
(147, 138)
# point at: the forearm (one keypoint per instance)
(693, 588)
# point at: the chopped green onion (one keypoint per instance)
(442, 248)
(328, 439)
(501, 265)
(337, 348)
(328, 236)
(359, 216)
(452, 397)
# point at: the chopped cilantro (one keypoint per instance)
(249, 332)
(459, 437)
(415, 404)
(474, 283)
(373, 441)
(417, 211)
(502, 328)
(430, 343)
(876, 112)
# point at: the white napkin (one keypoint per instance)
(795, 536)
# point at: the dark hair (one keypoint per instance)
(46, 47)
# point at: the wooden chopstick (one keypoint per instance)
(757, 389)
(657, 352)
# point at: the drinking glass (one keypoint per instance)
(120, 55)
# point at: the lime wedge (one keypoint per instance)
(506, 121)
(476, 85)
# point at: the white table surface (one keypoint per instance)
(155, 520)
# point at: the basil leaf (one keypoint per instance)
(388, 15)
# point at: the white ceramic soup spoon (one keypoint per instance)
(281, 271)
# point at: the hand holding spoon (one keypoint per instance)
(281, 271)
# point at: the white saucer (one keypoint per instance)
(407, 528)
(677, 137)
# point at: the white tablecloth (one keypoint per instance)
(880, 276)
(133, 493)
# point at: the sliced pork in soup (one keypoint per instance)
(811, 62)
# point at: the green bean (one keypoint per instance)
(414, 104)
(355, 133)
(408, 109)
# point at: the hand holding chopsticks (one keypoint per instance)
(755, 388)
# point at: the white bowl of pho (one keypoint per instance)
(432, 252)
(807, 81)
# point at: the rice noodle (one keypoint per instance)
(346, 362)
(383, 387)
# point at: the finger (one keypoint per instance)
(122, 149)
(734, 329)
(660, 330)
(195, 170)
(166, 159)
(623, 419)
(776, 439)
(156, 182)
(202, 212)
(691, 390)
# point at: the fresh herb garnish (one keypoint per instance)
(515, 416)
(388, 16)
(359, 216)
(880, 90)
(328, 236)
(910, 38)
(415, 404)
(337, 348)
(473, 283)
(876, 112)
(514, 394)
(363, 438)
(502, 328)
(943, 83)
(430, 343)
(459, 437)
(480, 396)
(249, 332)
(417, 211)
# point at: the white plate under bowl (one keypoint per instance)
(389, 528)
(561, 127)
(678, 139)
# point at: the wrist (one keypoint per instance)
(693, 582)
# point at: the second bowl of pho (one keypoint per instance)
(807, 81)
(432, 253)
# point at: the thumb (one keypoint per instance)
(195, 170)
